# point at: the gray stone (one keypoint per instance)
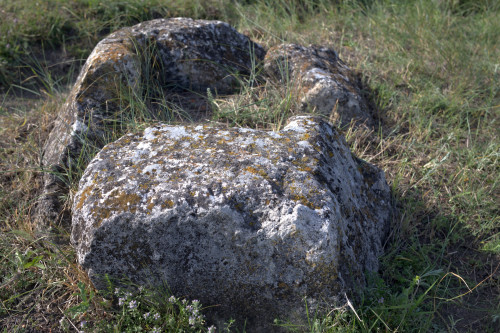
(324, 83)
(249, 220)
(181, 53)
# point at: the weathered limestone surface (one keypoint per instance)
(251, 220)
(324, 83)
(189, 54)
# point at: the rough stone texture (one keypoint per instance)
(325, 84)
(190, 54)
(251, 220)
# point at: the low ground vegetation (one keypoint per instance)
(430, 71)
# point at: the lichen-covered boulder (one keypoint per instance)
(180, 52)
(251, 221)
(324, 83)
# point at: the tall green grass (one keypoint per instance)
(430, 70)
(73, 27)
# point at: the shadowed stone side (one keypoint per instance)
(252, 220)
(194, 55)
(325, 84)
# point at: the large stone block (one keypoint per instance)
(252, 221)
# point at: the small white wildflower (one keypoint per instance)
(192, 321)
(117, 291)
(121, 301)
(156, 316)
(172, 299)
(146, 315)
(211, 329)
(132, 304)
(64, 323)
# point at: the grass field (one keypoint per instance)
(430, 70)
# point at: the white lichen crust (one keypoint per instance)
(251, 220)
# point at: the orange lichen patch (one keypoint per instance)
(125, 141)
(167, 204)
(305, 164)
(100, 215)
(296, 194)
(305, 136)
(255, 171)
(145, 186)
(306, 168)
(326, 272)
(305, 201)
(221, 141)
(122, 201)
(150, 203)
(83, 196)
